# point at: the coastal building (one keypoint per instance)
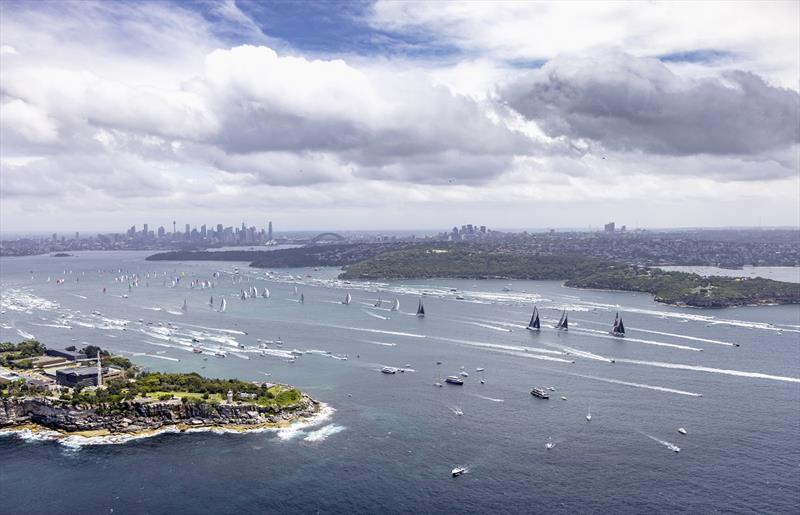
(78, 376)
(47, 361)
(70, 355)
(230, 397)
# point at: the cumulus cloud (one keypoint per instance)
(636, 103)
(147, 109)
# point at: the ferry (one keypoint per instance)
(454, 380)
(540, 392)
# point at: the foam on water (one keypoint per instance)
(78, 441)
(323, 433)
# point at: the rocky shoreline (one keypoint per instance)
(145, 415)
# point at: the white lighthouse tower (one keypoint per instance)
(99, 370)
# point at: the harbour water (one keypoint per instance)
(731, 377)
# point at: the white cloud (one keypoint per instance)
(146, 112)
(761, 35)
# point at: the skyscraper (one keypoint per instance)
(269, 231)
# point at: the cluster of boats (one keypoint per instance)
(617, 329)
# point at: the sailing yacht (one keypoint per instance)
(295, 290)
(265, 293)
(223, 306)
(378, 302)
(562, 324)
(302, 299)
(211, 302)
(534, 324)
(420, 309)
(184, 307)
(244, 295)
(589, 415)
(618, 328)
(347, 299)
(396, 304)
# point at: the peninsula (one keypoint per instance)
(481, 262)
(129, 401)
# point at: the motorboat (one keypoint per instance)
(389, 370)
(454, 380)
(540, 393)
(458, 471)
(549, 445)
(682, 430)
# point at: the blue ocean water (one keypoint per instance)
(393, 439)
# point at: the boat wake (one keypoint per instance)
(669, 445)
(601, 334)
(375, 315)
(699, 368)
(385, 344)
(639, 385)
(488, 398)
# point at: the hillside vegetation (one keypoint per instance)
(580, 272)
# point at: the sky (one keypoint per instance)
(398, 115)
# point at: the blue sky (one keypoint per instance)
(398, 115)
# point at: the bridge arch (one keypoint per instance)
(327, 236)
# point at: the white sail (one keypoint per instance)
(184, 307)
(347, 299)
(223, 305)
(396, 304)
(266, 293)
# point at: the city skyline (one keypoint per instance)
(384, 115)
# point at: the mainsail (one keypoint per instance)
(562, 322)
(396, 304)
(222, 306)
(211, 302)
(619, 328)
(302, 299)
(265, 294)
(534, 323)
(347, 299)
(420, 309)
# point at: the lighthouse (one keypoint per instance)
(230, 397)
(99, 370)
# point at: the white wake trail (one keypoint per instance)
(639, 385)
(699, 368)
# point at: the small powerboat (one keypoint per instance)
(682, 430)
(458, 471)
